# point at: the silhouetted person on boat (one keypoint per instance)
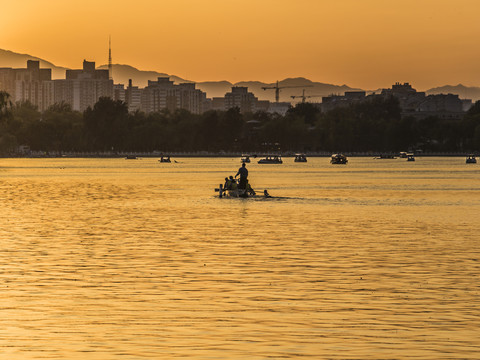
(233, 184)
(266, 194)
(243, 172)
(230, 183)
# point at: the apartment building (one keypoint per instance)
(83, 87)
(30, 84)
(241, 98)
(164, 94)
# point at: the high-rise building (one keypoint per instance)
(7, 81)
(119, 92)
(192, 99)
(241, 98)
(82, 88)
(133, 97)
(164, 94)
(30, 84)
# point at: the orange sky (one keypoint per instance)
(362, 43)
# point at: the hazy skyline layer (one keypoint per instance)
(362, 43)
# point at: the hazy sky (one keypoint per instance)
(361, 43)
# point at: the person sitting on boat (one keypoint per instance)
(243, 172)
(226, 184)
(266, 194)
(232, 183)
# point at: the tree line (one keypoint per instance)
(375, 125)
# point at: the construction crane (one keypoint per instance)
(304, 97)
(277, 89)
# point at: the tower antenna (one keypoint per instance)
(110, 57)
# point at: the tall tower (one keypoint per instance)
(110, 75)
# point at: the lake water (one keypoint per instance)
(136, 259)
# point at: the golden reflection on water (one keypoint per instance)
(133, 259)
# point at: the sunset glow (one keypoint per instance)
(363, 43)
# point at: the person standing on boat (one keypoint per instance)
(243, 172)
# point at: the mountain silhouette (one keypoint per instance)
(465, 92)
(122, 73)
(15, 60)
(294, 86)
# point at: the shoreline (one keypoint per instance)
(200, 154)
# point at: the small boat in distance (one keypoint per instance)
(410, 157)
(385, 156)
(402, 155)
(471, 159)
(131, 157)
(271, 159)
(245, 158)
(338, 159)
(300, 158)
(165, 159)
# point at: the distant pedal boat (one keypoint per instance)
(271, 159)
(245, 158)
(471, 159)
(338, 159)
(385, 156)
(300, 158)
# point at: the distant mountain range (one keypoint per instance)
(295, 86)
(122, 73)
(465, 92)
(14, 60)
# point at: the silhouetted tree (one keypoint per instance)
(232, 127)
(5, 106)
(372, 125)
(308, 112)
(106, 125)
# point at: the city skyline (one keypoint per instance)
(366, 44)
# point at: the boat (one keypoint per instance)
(385, 156)
(130, 157)
(235, 192)
(471, 159)
(245, 159)
(165, 159)
(410, 157)
(338, 159)
(300, 158)
(271, 159)
(402, 155)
